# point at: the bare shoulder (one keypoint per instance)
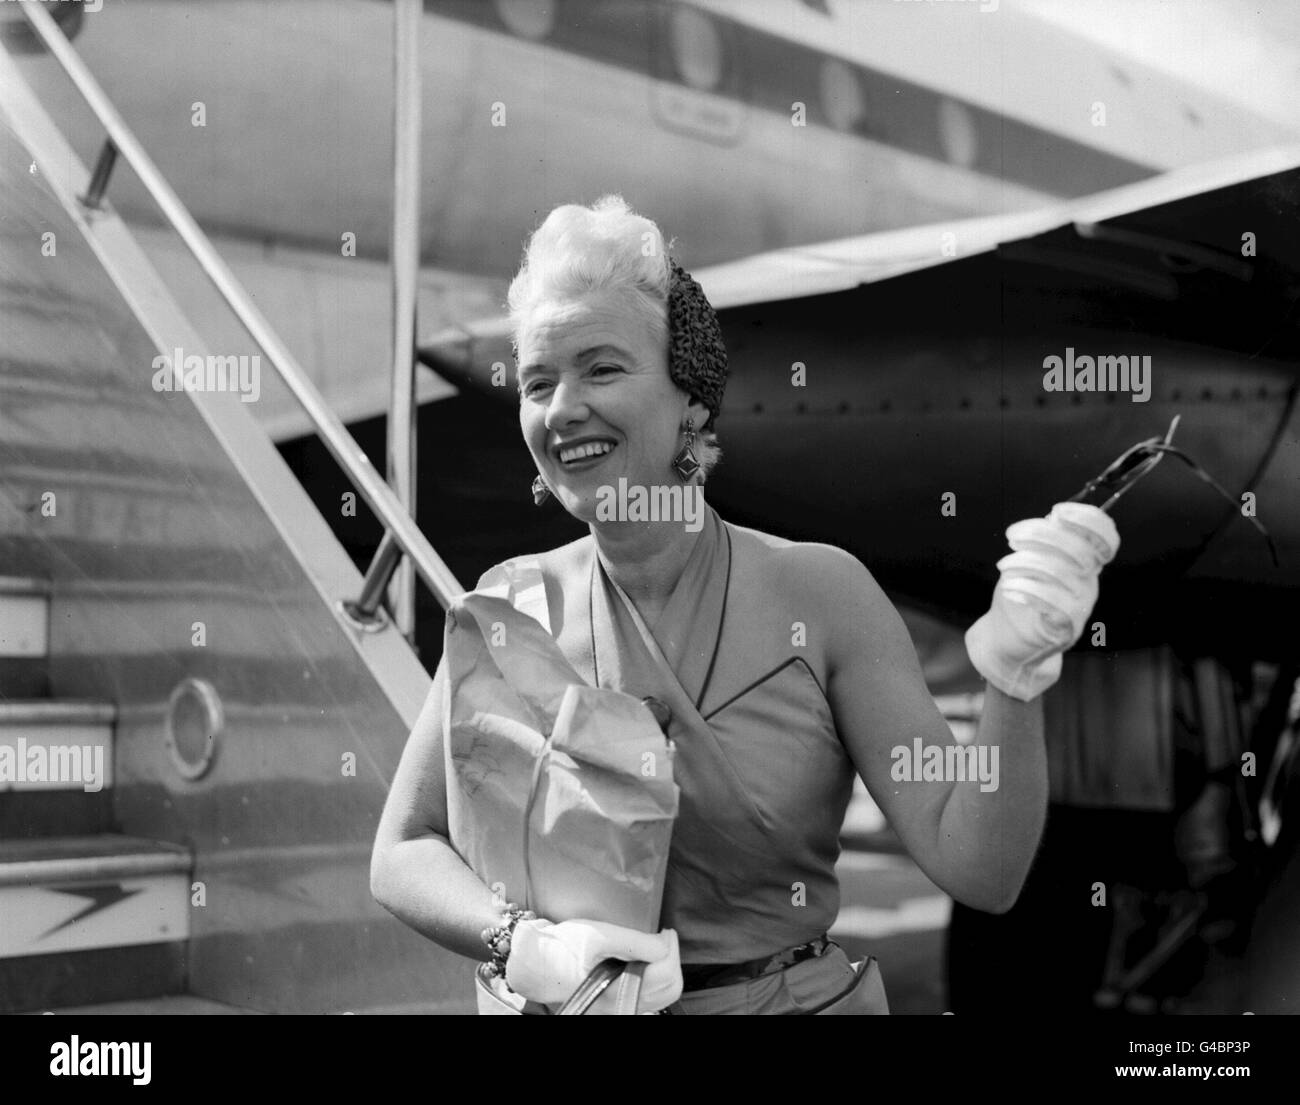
(857, 626)
(563, 561)
(824, 576)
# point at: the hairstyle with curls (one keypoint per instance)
(578, 250)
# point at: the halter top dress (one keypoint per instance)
(764, 779)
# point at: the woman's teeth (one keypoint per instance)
(582, 452)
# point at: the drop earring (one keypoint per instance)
(686, 463)
(540, 491)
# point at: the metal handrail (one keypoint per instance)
(404, 250)
(341, 445)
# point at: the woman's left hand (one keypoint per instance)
(1046, 590)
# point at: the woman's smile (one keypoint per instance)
(584, 453)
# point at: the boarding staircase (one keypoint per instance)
(61, 862)
(103, 888)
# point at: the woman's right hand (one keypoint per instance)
(547, 962)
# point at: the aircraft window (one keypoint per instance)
(696, 48)
(19, 37)
(957, 133)
(533, 19)
(842, 98)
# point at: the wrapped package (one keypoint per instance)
(560, 796)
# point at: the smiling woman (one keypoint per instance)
(591, 308)
(777, 669)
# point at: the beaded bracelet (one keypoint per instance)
(498, 937)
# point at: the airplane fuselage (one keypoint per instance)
(742, 128)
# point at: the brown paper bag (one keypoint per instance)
(560, 796)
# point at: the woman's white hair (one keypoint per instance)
(579, 250)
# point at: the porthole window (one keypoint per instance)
(532, 19)
(697, 48)
(957, 133)
(193, 726)
(841, 92)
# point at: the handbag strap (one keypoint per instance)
(625, 978)
(539, 765)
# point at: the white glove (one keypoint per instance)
(1043, 597)
(547, 962)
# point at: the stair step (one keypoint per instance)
(24, 637)
(24, 585)
(56, 745)
(91, 919)
(56, 768)
(83, 858)
(24, 677)
(29, 814)
(24, 617)
(57, 711)
(43, 983)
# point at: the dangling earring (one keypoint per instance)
(686, 462)
(540, 491)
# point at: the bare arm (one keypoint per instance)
(975, 844)
(1009, 821)
(414, 872)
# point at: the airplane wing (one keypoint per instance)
(462, 353)
(827, 267)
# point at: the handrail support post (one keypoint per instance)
(104, 165)
(365, 612)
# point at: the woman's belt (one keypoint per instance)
(705, 976)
